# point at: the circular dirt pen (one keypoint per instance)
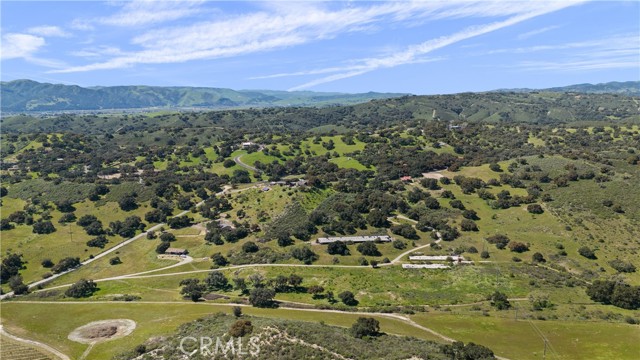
(103, 330)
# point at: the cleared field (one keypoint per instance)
(520, 339)
(13, 350)
(51, 323)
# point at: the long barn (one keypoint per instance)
(354, 239)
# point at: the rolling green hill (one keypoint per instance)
(493, 107)
(28, 95)
(628, 88)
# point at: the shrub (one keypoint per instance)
(82, 288)
(499, 240)
(47, 263)
(304, 254)
(216, 281)
(405, 230)
(622, 266)
(115, 260)
(518, 247)
(66, 264)
(535, 209)
(162, 247)
(241, 328)
(348, 298)
(399, 244)
(67, 218)
(587, 252)
(368, 249)
(365, 326)
(338, 248)
(167, 237)
(538, 258)
(468, 225)
(250, 247)
(219, 260)
(43, 227)
(262, 297)
(98, 242)
(500, 301)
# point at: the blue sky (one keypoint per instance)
(421, 47)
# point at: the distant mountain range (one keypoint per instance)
(627, 88)
(28, 96)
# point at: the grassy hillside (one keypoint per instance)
(27, 95)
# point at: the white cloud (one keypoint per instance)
(20, 45)
(283, 24)
(98, 52)
(48, 31)
(531, 33)
(144, 12)
(411, 53)
(620, 51)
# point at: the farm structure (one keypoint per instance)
(176, 251)
(355, 239)
(436, 258)
(425, 266)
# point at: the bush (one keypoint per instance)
(115, 260)
(5, 225)
(160, 249)
(304, 254)
(67, 218)
(47, 263)
(587, 252)
(82, 288)
(66, 264)
(518, 247)
(365, 326)
(535, 209)
(43, 227)
(538, 258)
(499, 301)
(167, 237)
(368, 249)
(241, 328)
(499, 240)
(262, 297)
(98, 242)
(17, 286)
(622, 266)
(86, 220)
(192, 288)
(338, 248)
(348, 298)
(128, 203)
(468, 225)
(484, 254)
(216, 281)
(399, 244)
(250, 247)
(615, 293)
(219, 260)
(179, 222)
(405, 230)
